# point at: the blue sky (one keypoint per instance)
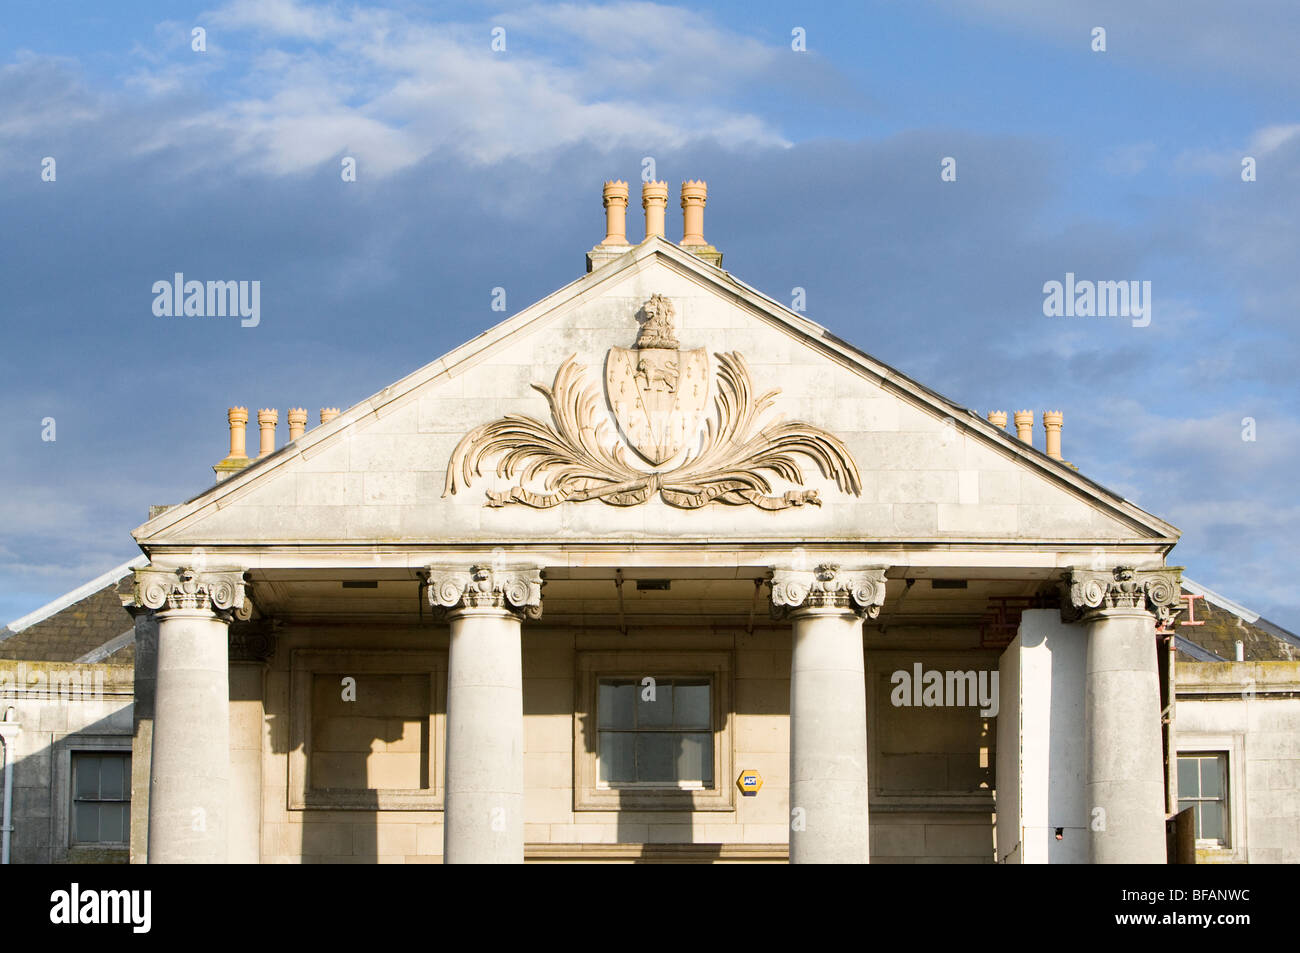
(479, 169)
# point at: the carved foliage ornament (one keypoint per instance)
(828, 587)
(1157, 591)
(517, 590)
(191, 589)
(658, 394)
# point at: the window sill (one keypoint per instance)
(652, 799)
(99, 854)
(589, 794)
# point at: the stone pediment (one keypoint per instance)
(649, 442)
(657, 398)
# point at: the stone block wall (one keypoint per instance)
(557, 826)
(59, 708)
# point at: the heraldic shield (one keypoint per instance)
(656, 393)
(657, 396)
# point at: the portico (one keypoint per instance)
(547, 597)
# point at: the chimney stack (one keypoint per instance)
(1025, 426)
(237, 459)
(297, 422)
(615, 197)
(328, 413)
(266, 420)
(998, 418)
(1052, 421)
(694, 195)
(654, 199)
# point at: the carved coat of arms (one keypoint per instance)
(656, 390)
(658, 394)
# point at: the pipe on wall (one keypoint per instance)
(8, 731)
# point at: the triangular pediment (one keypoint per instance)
(655, 399)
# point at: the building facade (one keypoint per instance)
(1237, 721)
(656, 570)
(67, 684)
(578, 588)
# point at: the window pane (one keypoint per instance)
(659, 712)
(85, 821)
(655, 756)
(692, 705)
(695, 757)
(86, 769)
(616, 704)
(616, 756)
(1211, 777)
(1211, 820)
(112, 776)
(1187, 783)
(110, 823)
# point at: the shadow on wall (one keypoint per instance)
(673, 809)
(366, 744)
(61, 810)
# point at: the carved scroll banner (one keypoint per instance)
(658, 393)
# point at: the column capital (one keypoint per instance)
(861, 591)
(1090, 592)
(518, 591)
(220, 592)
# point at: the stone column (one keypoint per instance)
(483, 810)
(828, 709)
(1123, 761)
(252, 646)
(190, 763)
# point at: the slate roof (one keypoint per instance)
(1225, 623)
(85, 625)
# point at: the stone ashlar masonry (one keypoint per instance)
(59, 707)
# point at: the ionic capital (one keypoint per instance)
(1158, 591)
(481, 587)
(218, 592)
(861, 591)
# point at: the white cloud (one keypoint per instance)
(392, 90)
(1269, 138)
(1263, 142)
(284, 87)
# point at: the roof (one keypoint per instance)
(87, 624)
(166, 526)
(1221, 623)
